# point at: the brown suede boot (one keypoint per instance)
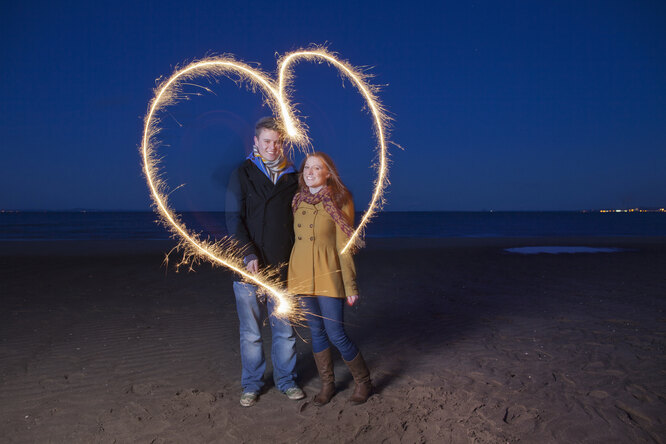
(325, 368)
(361, 375)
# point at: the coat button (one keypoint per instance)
(299, 225)
(305, 212)
(310, 225)
(315, 212)
(299, 238)
(311, 238)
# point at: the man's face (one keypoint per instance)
(269, 144)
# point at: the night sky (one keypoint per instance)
(504, 105)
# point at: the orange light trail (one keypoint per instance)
(378, 112)
(225, 252)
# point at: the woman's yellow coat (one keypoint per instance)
(316, 267)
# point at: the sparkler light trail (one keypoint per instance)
(226, 251)
(380, 120)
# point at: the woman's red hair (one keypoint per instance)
(339, 192)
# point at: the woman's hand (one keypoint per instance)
(351, 300)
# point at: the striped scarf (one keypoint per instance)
(323, 196)
(274, 167)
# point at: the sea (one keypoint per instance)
(119, 225)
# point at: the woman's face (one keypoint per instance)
(315, 173)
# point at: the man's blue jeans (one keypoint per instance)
(325, 316)
(251, 314)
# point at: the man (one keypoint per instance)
(259, 216)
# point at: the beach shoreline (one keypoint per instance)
(106, 247)
(104, 342)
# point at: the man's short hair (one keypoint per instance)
(269, 123)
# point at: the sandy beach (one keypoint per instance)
(468, 343)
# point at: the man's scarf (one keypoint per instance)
(274, 167)
(323, 196)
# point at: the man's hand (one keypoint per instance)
(253, 266)
(351, 300)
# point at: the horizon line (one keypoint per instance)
(585, 210)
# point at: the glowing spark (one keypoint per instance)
(225, 252)
(284, 307)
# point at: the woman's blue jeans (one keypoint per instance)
(251, 314)
(325, 317)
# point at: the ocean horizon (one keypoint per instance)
(142, 225)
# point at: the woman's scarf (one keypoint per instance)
(323, 196)
(274, 167)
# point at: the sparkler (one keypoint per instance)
(226, 251)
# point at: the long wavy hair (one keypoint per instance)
(339, 192)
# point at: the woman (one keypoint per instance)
(323, 220)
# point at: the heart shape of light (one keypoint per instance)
(226, 252)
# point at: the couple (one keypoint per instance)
(304, 219)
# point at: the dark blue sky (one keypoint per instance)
(499, 105)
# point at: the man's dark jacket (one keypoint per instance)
(259, 215)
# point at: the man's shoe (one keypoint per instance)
(248, 399)
(294, 393)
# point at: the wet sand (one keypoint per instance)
(101, 342)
